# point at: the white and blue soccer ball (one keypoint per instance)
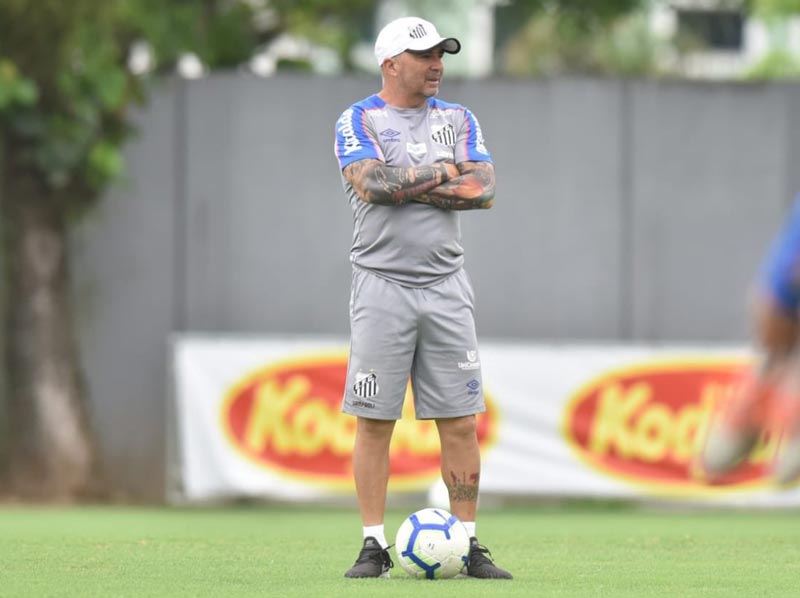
(432, 544)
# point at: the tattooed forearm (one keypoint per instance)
(464, 487)
(392, 186)
(472, 190)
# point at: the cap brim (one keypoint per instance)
(449, 44)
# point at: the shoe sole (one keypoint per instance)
(381, 576)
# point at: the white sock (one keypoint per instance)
(376, 531)
(470, 525)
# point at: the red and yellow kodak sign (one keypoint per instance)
(287, 418)
(642, 424)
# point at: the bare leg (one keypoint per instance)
(371, 467)
(461, 464)
(736, 425)
(461, 467)
(777, 332)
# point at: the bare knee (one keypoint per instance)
(458, 429)
(775, 329)
(374, 431)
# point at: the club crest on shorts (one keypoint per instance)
(366, 385)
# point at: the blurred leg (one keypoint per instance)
(786, 412)
(737, 424)
(776, 328)
(777, 331)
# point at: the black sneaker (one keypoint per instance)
(481, 566)
(372, 561)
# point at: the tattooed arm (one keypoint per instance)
(472, 190)
(377, 183)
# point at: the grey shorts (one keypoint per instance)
(426, 335)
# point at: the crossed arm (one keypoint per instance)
(466, 186)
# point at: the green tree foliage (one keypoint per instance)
(64, 82)
(544, 37)
(774, 8)
(779, 62)
(584, 14)
(65, 90)
(65, 98)
(65, 86)
(337, 24)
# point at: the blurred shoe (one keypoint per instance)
(734, 430)
(372, 561)
(481, 566)
(786, 467)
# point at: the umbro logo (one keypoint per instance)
(390, 133)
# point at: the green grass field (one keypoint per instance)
(285, 551)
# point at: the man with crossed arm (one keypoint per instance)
(409, 164)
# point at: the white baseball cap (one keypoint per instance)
(411, 33)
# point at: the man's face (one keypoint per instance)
(420, 73)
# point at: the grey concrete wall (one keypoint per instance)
(268, 226)
(545, 260)
(626, 210)
(127, 284)
(709, 173)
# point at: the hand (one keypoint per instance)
(452, 170)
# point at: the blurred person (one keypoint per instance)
(409, 163)
(768, 400)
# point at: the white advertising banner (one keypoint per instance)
(260, 417)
